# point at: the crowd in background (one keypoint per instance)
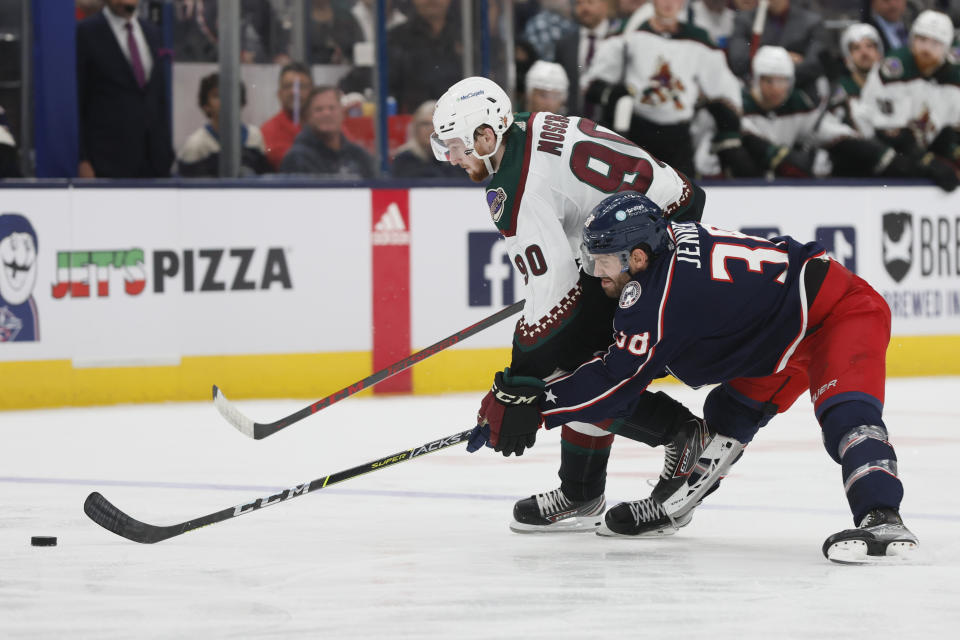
(831, 87)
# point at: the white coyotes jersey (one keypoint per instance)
(899, 97)
(666, 75)
(796, 120)
(555, 170)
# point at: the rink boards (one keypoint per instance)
(154, 294)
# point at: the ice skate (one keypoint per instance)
(680, 456)
(880, 537)
(642, 519)
(553, 512)
(680, 494)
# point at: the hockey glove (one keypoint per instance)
(512, 410)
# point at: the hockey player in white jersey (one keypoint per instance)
(862, 50)
(548, 171)
(914, 98)
(782, 126)
(667, 66)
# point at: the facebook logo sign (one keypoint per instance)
(489, 271)
(840, 243)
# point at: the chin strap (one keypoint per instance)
(486, 159)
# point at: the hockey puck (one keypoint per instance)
(43, 541)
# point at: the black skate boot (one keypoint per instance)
(552, 512)
(880, 534)
(680, 456)
(642, 518)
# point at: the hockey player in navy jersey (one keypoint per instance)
(548, 172)
(768, 320)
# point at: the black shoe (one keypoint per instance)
(642, 518)
(881, 533)
(553, 512)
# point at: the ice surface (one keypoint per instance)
(422, 549)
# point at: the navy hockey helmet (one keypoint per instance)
(621, 223)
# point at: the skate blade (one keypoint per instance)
(662, 532)
(569, 525)
(855, 552)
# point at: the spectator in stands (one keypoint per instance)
(262, 36)
(332, 33)
(665, 67)
(200, 155)
(914, 98)
(889, 18)
(547, 87)
(548, 27)
(121, 96)
(415, 158)
(524, 56)
(797, 30)
(280, 130)
(784, 132)
(321, 148)
(425, 54)
(576, 50)
(362, 12)
(9, 162)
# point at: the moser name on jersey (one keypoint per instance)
(552, 134)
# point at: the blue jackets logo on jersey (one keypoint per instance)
(630, 294)
(496, 199)
(18, 275)
(897, 244)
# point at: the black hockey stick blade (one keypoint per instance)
(260, 430)
(108, 516)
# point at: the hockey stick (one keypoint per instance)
(259, 430)
(759, 22)
(105, 514)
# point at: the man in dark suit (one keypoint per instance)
(575, 51)
(122, 99)
(890, 19)
(799, 31)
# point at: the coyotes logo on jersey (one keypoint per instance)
(663, 87)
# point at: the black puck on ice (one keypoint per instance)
(43, 541)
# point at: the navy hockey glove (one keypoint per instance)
(512, 410)
(479, 437)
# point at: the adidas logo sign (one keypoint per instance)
(390, 228)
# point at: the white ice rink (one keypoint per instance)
(422, 549)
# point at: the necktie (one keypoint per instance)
(135, 60)
(591, 45)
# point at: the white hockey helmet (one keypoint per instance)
(470, 103)
(549, 76)
(934, 25)
(856, 33)
(772, 61)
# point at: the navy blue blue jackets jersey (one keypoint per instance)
(722, 305)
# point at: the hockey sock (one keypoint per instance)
(855, 436)
(583, 464)
(727, 413)
(654, 421)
